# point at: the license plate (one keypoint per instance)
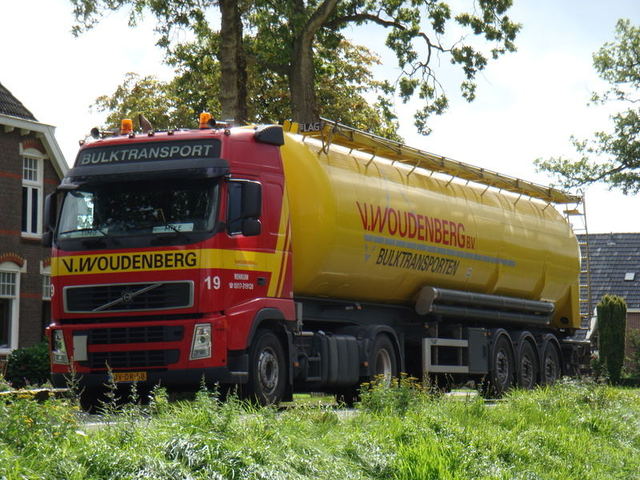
(120, 377)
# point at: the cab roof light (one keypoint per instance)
(206, 120)
(126, 126)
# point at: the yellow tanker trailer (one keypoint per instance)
(473, 273)
(315, 257)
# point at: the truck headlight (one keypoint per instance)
(201, 344)
(59, 349)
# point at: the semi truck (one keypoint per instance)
(304, 257)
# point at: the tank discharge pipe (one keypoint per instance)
(479, 306)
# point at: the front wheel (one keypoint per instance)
(267, 370)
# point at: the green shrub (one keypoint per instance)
(612, 311)
(396, 397)
(28, 366)
(634, 354)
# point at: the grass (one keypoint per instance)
(569, 431)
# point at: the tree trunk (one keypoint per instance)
(233, 66)
(304, 106)
(302, 87)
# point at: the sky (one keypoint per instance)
(528, 103)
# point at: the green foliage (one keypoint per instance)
(634, 356)
(403, 393)
(581, 431)
(612, 311)
(158, 101)
(612, 157)
(417, 32)
(5, 386)
(29, 365)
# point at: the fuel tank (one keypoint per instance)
(366, 228)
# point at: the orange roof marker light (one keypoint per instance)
(205, 118)
(126, 126)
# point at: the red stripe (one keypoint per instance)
(11, 175)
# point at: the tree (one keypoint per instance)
(191, 15)
(344, 74)
(158, 101)
(612, 312)
(610, 157)
(290, 32)
(288, 35)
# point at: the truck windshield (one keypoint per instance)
(139, 208)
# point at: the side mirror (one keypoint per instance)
(251, 200)
(50, 213)
(251, 227)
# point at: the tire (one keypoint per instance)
(551, 365)
(383, 363)
(91, 400)
(502, 368)
(528, 370)
(267, 370)
(348, 396)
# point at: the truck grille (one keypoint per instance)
(145, 334)
(128, 297)
(132, 359)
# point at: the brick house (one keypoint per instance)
(615, 270)
(31, 166)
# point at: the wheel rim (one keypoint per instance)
(550, 365)
(384, 366)
(268, 371)
(502, 367)
(527, 372)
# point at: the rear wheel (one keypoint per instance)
(267, 370)
(551, 366)
(528, 366)
(502, 369)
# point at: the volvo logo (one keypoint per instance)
(126, 298)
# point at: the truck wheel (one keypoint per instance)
(502, 370)
(551, 366)
(383, 364)
(528, 366)
(267, 370)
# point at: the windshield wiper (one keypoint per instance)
(90, 229)
(90, 239)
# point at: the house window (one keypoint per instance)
(31, 196)
(46, 286)
(8, 309)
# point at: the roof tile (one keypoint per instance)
(10, 105)
(612, 255)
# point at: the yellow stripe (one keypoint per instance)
(166, 260)
(280, 247)
(285, 259)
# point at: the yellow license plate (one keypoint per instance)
(119, 377)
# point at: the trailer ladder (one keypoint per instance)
(577, 218)
(330, 132)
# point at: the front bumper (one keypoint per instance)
(182, 379)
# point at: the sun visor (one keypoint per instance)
(149, 161)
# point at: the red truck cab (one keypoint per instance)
(168, 252)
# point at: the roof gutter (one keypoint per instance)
(46, 133)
